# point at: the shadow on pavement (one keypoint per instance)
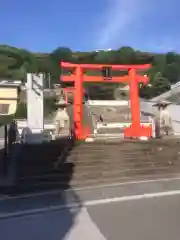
(39, 208)
(39, 217)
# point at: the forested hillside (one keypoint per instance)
(165, 71)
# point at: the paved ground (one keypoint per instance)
(155, 218)
(137, 210)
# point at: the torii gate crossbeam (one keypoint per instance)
(133, 79)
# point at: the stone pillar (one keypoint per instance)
(35, 105)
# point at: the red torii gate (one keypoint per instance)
(78, 77)
(70, 90)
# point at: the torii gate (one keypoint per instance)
(68, 90)
(78, 77)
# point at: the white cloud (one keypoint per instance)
(137, 23)
(116, 19)
(120, 17)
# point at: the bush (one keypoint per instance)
(21, 111)
(50, 105)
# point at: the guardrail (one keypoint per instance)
(107, 103)
(23, 124)
(119, 125)
(175, 85)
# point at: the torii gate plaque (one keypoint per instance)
(79, 77)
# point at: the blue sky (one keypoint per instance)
(152, 25)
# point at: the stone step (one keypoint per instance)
(97, 178)
(42, 158)
(90, 163)
(83, 171)
(110, 130)
(111, 146)
(150, 175)
(37, 186)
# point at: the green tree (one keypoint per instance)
(24, 61)
(160, 85)
(105, 57)
(172, 57)
(84, 57)
(126, 55)
(172, 72)
(144, 58)
(160, 62)
(15, 63)
(58, 55)
(61, 54)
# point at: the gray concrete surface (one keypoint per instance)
(148, 219)
(102, 213)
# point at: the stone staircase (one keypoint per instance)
(87, 120)
(111, 113)
(63, 165)
(111, 117)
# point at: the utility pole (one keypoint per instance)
(49, 80)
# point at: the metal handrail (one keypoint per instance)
(175, 85)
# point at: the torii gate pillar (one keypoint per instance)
(78, 107)
(135, 129)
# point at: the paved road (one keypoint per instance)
(140, 210)
(156, 219)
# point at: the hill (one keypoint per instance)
(165, 71)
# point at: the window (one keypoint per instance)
(4, 108)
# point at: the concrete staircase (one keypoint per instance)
(114, 118)
(87, 164)
(111, 113)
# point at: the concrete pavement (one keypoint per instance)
(74, 224)
(154, 218)
(135, 210)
